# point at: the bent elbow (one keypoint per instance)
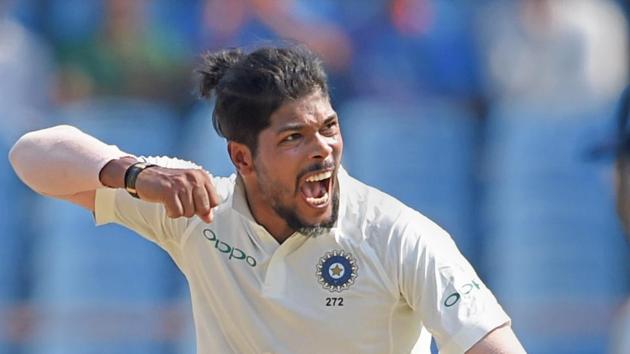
(17, 154)
(28, 151)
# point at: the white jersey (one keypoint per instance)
(383, 280)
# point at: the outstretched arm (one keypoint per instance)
(65, 163)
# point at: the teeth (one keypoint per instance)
(319, 177)
(318, 201)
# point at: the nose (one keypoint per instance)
(322, 146)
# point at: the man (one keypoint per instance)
(290, 254)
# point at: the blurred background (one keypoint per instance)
(495, 118)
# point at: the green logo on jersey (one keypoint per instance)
(465, 289)
(233, 252)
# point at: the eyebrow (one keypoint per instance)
(290, 127)
(299, 126)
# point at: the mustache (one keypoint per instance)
(320, 166)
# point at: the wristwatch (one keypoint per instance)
(132, 174)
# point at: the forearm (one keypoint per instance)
(61, 160)
(501, 340)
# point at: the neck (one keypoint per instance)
(267, 217)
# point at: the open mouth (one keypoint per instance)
(316, 189)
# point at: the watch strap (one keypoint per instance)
(131, 175)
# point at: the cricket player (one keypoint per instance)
(290, 254)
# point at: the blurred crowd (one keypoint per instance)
(510, 96)
(73, 50)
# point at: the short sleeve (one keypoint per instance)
(150, 219)
(436, 280)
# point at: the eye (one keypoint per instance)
(291, 138)
(330, 128)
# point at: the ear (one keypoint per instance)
(241, 157)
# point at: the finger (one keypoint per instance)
(185, 196)
(173, 205)
(201, 202)
(213, 197)
(207, 218)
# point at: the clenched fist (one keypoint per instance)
(183, 192)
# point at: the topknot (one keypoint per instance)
(214, 67)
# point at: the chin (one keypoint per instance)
(323, 217)
(312, 221)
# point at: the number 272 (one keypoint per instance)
(334, 301)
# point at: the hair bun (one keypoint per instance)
(214, 66)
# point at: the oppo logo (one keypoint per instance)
(465, 289)
(232, 252)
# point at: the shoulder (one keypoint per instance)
(398, 239)
(169, 162)
(381, 217)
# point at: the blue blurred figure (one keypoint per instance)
(26, 72)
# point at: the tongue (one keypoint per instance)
(313, 189)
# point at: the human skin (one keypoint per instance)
(303, 136)
(302, 140)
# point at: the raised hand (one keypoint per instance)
(183, 192)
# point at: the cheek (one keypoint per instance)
(338, 146)
(278, 175)
(287, 162)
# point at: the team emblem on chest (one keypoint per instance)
(336, 270)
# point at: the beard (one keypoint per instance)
(310, 230)
(275, 193)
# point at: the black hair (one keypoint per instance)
(250, 87)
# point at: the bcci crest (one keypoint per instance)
(337, 270)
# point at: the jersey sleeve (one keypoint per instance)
(150, 219)
(436, 280)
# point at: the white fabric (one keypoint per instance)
(252, 295)
(43, 159)
(620, 336)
